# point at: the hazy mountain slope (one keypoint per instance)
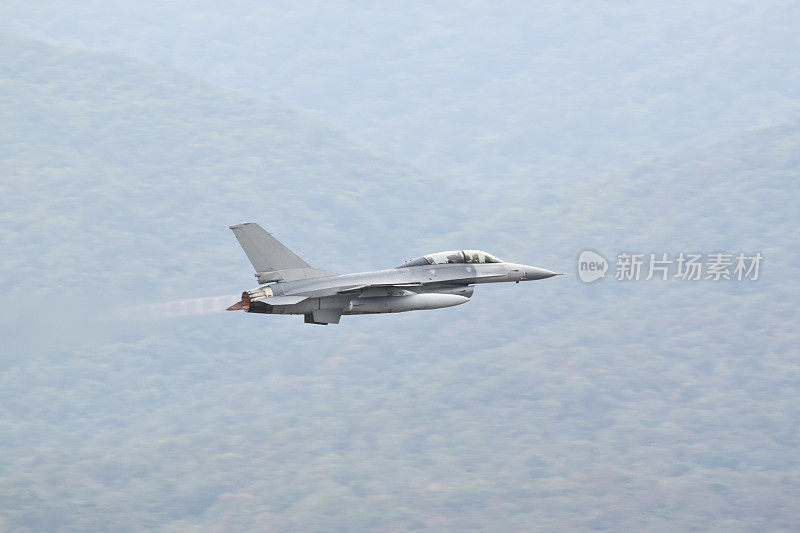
(558, 405)
(131, 162)
(482, 88)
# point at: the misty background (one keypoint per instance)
(133, 133)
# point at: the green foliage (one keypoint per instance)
(551, 405)
(477, 90)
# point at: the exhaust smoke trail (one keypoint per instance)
(190, 307)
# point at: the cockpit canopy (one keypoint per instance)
(453, 256)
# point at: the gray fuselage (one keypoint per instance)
(338, 291)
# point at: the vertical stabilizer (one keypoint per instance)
(263, 250)
(272, 260)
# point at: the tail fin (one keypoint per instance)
(272, 260)
(263, 250)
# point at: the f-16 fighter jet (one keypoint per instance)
(290, 286)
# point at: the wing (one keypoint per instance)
(361, 288)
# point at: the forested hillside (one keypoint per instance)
(477, 89)
(132, 162)
(554, 405)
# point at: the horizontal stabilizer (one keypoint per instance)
(281, 300)
(252, 297)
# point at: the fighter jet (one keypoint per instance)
(290, 286)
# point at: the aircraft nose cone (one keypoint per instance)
(530, 273)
